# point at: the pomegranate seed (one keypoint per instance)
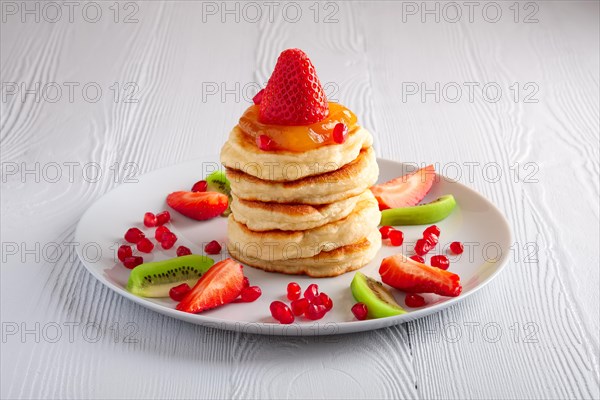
(258, 97)
(178, 292)
(431, 239)
(246, 282)
(385, 231)
(300, 306)
(150, 220)
(311, 292)
(422, 247)
(213, 247)
(200, 186)
(432, 229)
(440, 262)
(281, 312)
(132, 262)
(124, 252)
(360, 311)
(293, 291)
(286, 316)
(418, 259)
(315, 311)
(414, 300)
(265, 143)
(456, 247)
(183, 251)
(324, 300)
(168, 240)
(160, 231)
(340, 132)
(145, 245)
(275, 307)
(163, 217)
(134, 235)
(396, 237)
(250, 294)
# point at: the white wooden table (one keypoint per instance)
(94, 94)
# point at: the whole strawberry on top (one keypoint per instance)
(294, 95)
(292, 114)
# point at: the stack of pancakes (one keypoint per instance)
(303, 212)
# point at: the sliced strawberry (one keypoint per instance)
(220, 285)
(405, 191)
(198, 205)
(294, 95)
(411, 276)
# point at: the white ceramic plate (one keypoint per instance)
(475, 222)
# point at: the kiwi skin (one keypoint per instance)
(155, 279)
(379, 301)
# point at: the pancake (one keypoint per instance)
(349, 181)
(278, 245)
(259, 216)
(241, 153)
(325, 264)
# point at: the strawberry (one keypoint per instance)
(220, 285)
(413, 277)
(294, 95)
(198, 205)
(405, 191)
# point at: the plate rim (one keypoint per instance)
(315, 327)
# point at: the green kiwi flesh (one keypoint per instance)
(155, 279)
(218, 182)
(423, 214)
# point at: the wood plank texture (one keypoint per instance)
(532, 333)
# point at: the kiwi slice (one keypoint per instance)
(424, 214)
(375, 296)
(155, 279)
(218, 182)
